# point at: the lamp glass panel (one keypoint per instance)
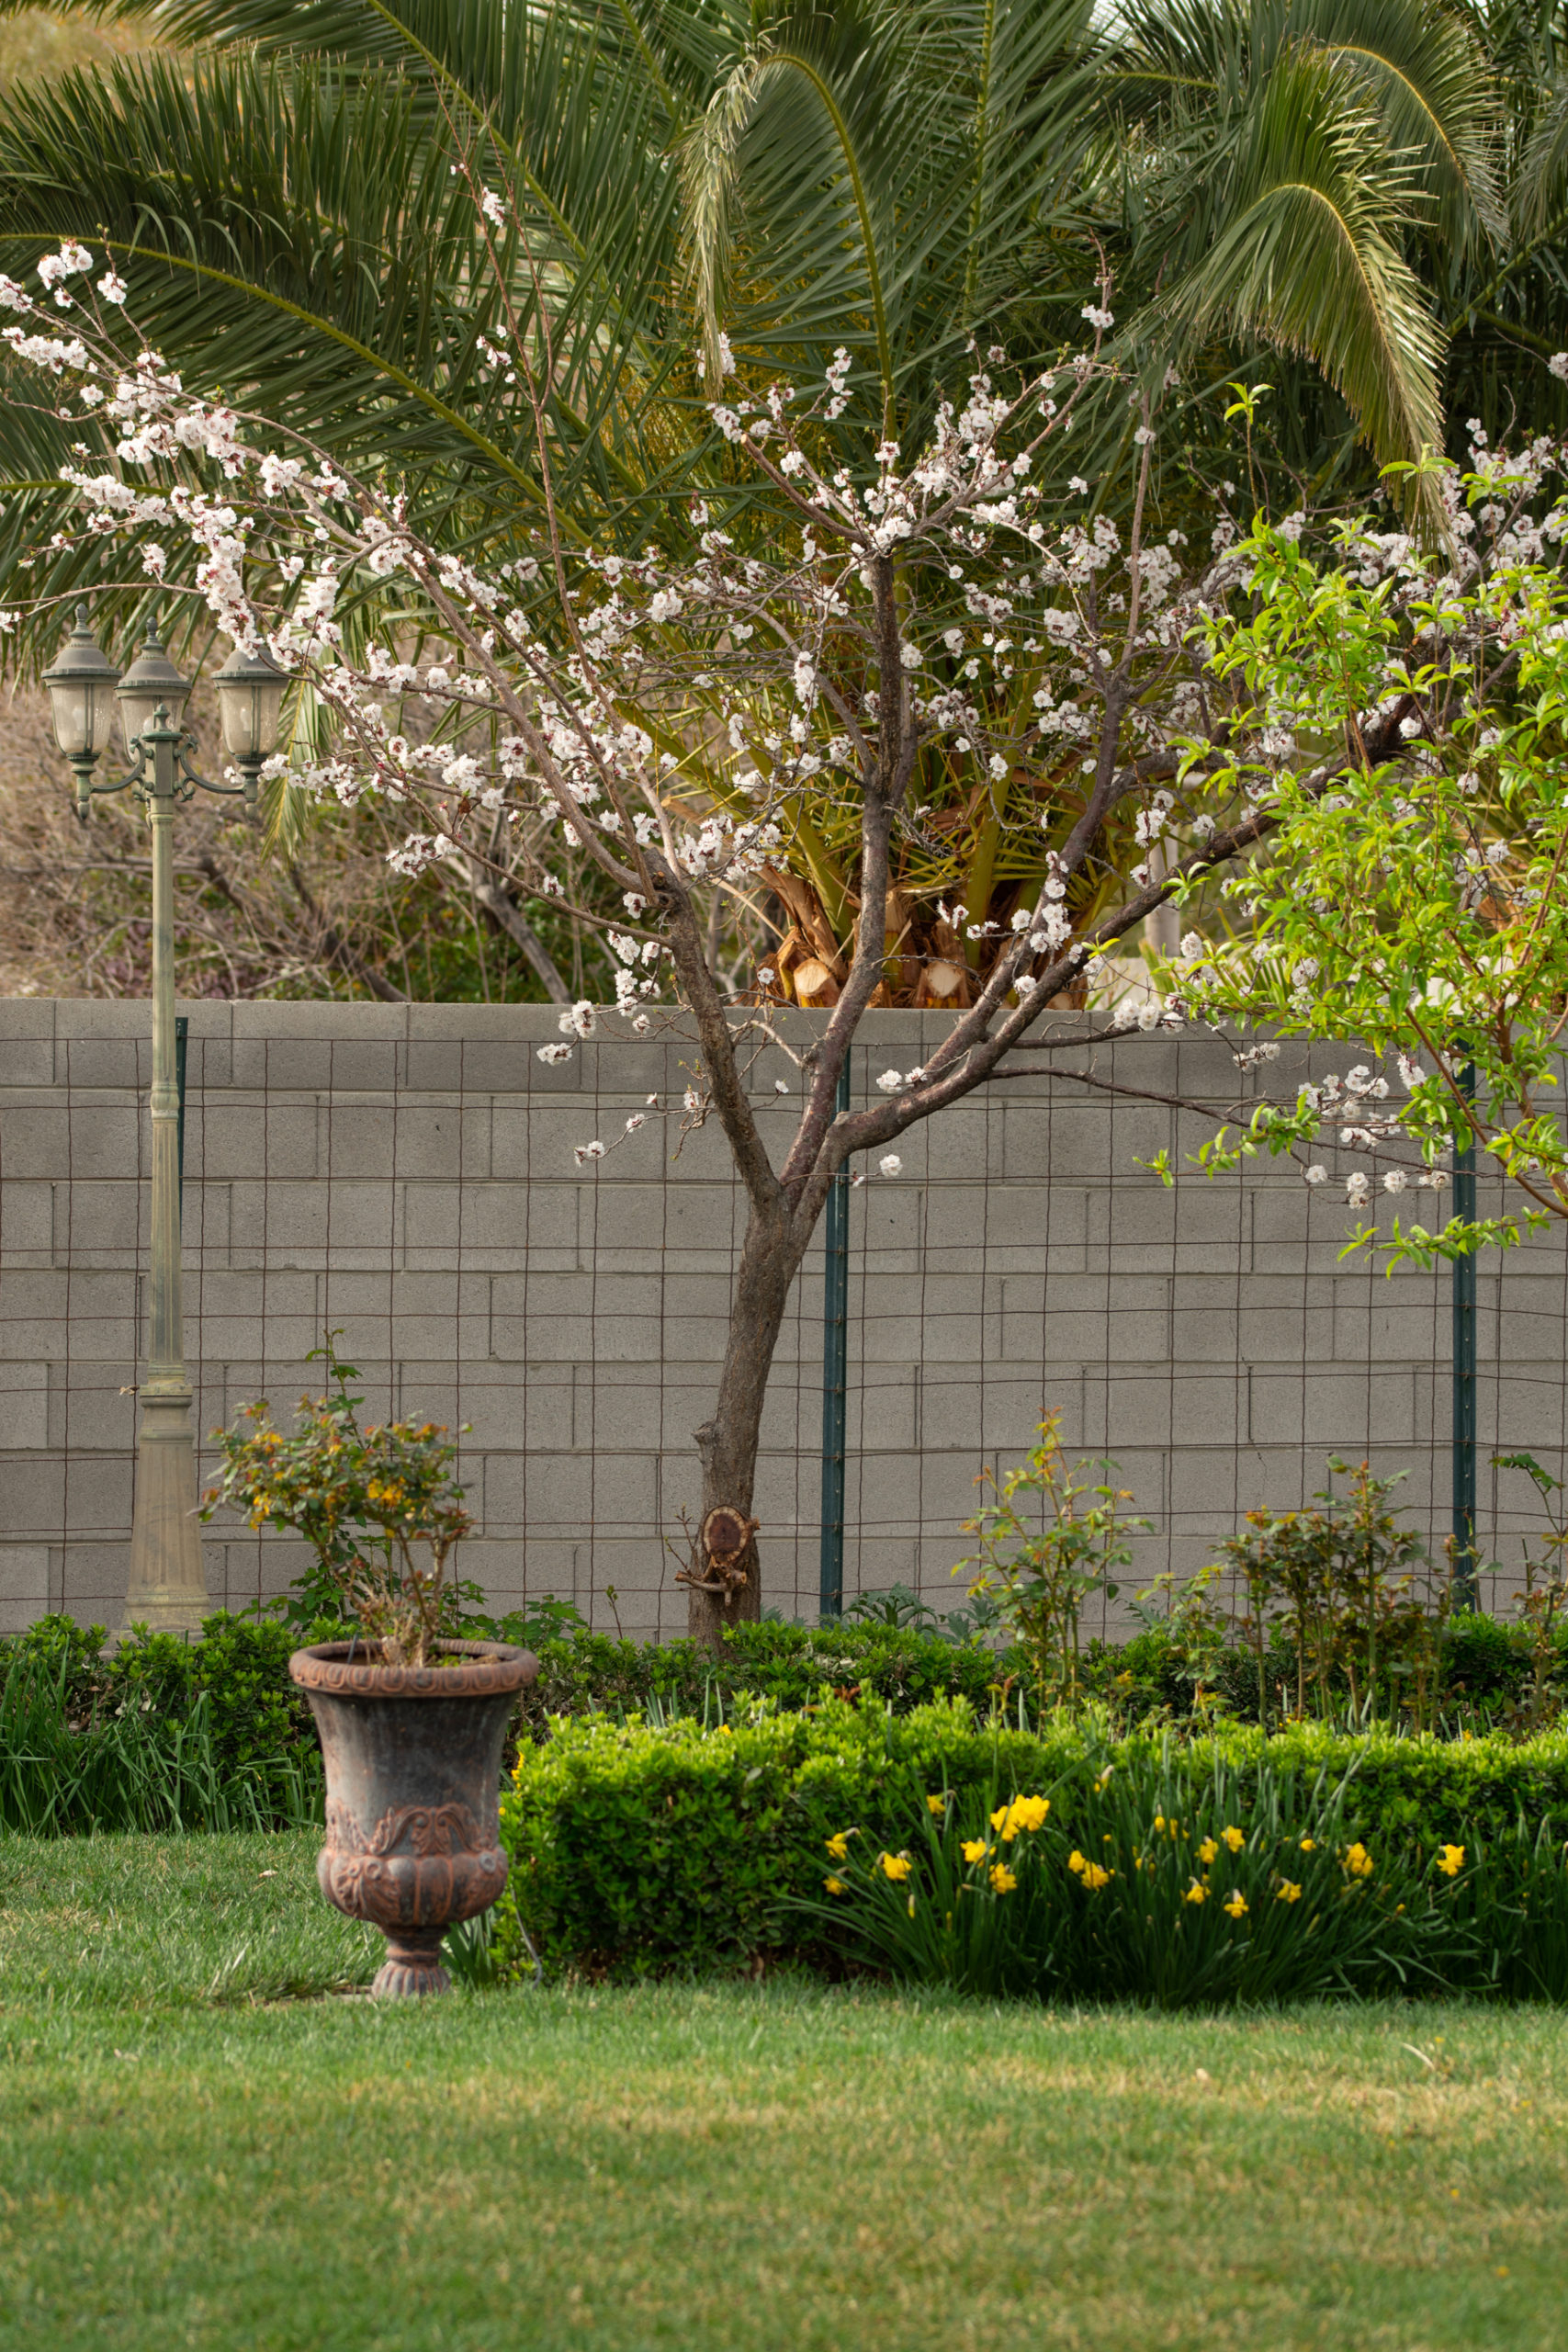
(140, 711)
(78, 714)
(252, 710)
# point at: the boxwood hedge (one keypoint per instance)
(643, 1848)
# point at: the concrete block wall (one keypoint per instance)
(407, 1173)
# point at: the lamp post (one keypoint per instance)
(167, 1587)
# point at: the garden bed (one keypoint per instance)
(646, 1849)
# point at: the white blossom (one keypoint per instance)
(69, 262)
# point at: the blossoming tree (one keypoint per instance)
(908, 625)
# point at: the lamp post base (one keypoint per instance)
(167, 1590)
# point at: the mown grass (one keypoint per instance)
(207, 2140)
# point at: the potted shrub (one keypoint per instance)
(412, 1718)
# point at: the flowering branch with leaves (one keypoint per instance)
(1415, 894)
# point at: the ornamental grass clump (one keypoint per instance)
(1155, 1892)
(378, 1507)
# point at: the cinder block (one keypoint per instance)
(97, 1222)
(564, 1340)
(633, 1067)
(534, 1417)
(537, 1142)
(97, 1498)
(37, 1142)
(1401, 1331)
(479, 1066)
(111, 1064)
(96, 1017)
(568, 1494)
(26, 1016)
(691, 1340)
(249, 1140)
(93, 1415)
(95, 1333)
(27, 1061)
(24, 1583)
(27, 1219)
(1336, 1411)
(1205, 1331)
(32, 1497)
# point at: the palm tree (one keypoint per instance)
(906, 178)
(898, 175)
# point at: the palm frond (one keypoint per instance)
(868, 174)
(1303, 258)
(1422, 69)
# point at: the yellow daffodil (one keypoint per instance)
(975, 1850)
(1159, 1821)
(1077, 1861)
(1308, 1845)
(1207, 1851)
(1235, 1838)
(1289, 1892)
(1023, 1813)
(834, 1885)
(896, 1867)
(910, 1906)
(936, 1804)
(1236, 1905)
(1358, 1862)
(1002, 1879)
(1196, 1893)
(1451, 1861)
(839, 1847)
(1094, 1878)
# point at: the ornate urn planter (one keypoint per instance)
(413, 1782)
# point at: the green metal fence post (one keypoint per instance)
(835, 1374)
(1464, 1374)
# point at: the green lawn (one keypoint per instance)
(207, 2141)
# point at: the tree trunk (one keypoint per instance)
(727, 1590)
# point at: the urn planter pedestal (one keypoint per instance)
(412, 1758)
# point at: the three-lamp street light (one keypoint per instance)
(166, 1586)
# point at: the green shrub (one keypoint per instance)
(789, 1664)
(164, 1734)
(644, 1849)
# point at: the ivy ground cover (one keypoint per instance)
(211, 2141)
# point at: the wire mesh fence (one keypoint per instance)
(407, 1176)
